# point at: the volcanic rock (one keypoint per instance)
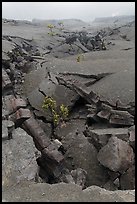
(116, 155)
(18, 159)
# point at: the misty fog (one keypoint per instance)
(86, 11)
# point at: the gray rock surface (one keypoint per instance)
(79, 176)
(6, 82)
(81, 154)
(7, 129)
(85, 67)
(18, 159)
(65, 193)
(132, 136)
(116, 155)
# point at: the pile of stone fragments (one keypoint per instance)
(95, 146)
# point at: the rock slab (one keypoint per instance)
(116, 155)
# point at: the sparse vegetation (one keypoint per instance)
(80, 57)
(64, 111)
(61, 25)
(50, 27)
(103, 45)
(62, 114)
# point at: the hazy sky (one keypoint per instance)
(86, 11)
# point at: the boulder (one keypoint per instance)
(18, 103)
(51, 152)
(81, 154)
(116, 155)
(18, 159)
(20, 116)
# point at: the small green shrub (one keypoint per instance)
(80, 58)
(50, 103)
(50, 27)
(52, 33)
(64, 111)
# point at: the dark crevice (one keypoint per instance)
(78, 104)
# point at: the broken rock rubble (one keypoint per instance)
(65, 153)
(53, 161)
(102, 109)
(100, 137)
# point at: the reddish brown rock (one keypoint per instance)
(39, 136)
(117, 155)
(18, 103)
(13, 104)
(23, 113)
(52, 153)
(20, 116)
